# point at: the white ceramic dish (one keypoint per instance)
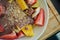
(39, 30)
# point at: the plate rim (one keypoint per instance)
(46, 21)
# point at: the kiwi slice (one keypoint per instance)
(36, 5)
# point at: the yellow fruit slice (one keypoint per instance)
(22, 4)
(28, 31)
(10, 1)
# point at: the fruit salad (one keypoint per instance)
(17, 18)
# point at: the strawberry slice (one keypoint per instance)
(40, 18)
(9, 36)
(8, 39)
(1, 28)
(31, 2)
(2, 9)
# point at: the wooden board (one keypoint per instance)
(53, 26)
(54, 22)
(56, 4)
(53, 10)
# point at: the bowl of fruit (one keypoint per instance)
(23, 19)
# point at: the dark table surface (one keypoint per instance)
(56, 3)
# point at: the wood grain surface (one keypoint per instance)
(53, 26)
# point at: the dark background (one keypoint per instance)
(56, 4)
(53, 37)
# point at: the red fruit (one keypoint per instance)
(2, 9)
(1, 28)
(9, 36)
(20, 34)
(40, 18)
(7, 39)
(31, 2)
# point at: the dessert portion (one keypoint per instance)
(17, 17)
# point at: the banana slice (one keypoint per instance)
(36, 12)
(10, 1)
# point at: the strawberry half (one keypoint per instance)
(9, 36)
(2, 9)
(31, 2)
(1, 28)
(40, 18)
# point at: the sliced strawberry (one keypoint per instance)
(9, 36)
(2, 9)
(8, 39)
(1, 28)
(40, 18)
(31, 2)
(20, 34)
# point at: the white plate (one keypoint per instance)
(39, 30)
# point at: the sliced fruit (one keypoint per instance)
(22, 4)
(20, 34)
(2, 9)
(40, 18)
(31, 2)
(17, 29)
(30, 11)
(27, 30)
(1, 28)
(36, 5)
(36, 12)
(8, 39)
(9, 36)
(10, 1)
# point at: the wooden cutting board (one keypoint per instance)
(53, 24)
(55, 12)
